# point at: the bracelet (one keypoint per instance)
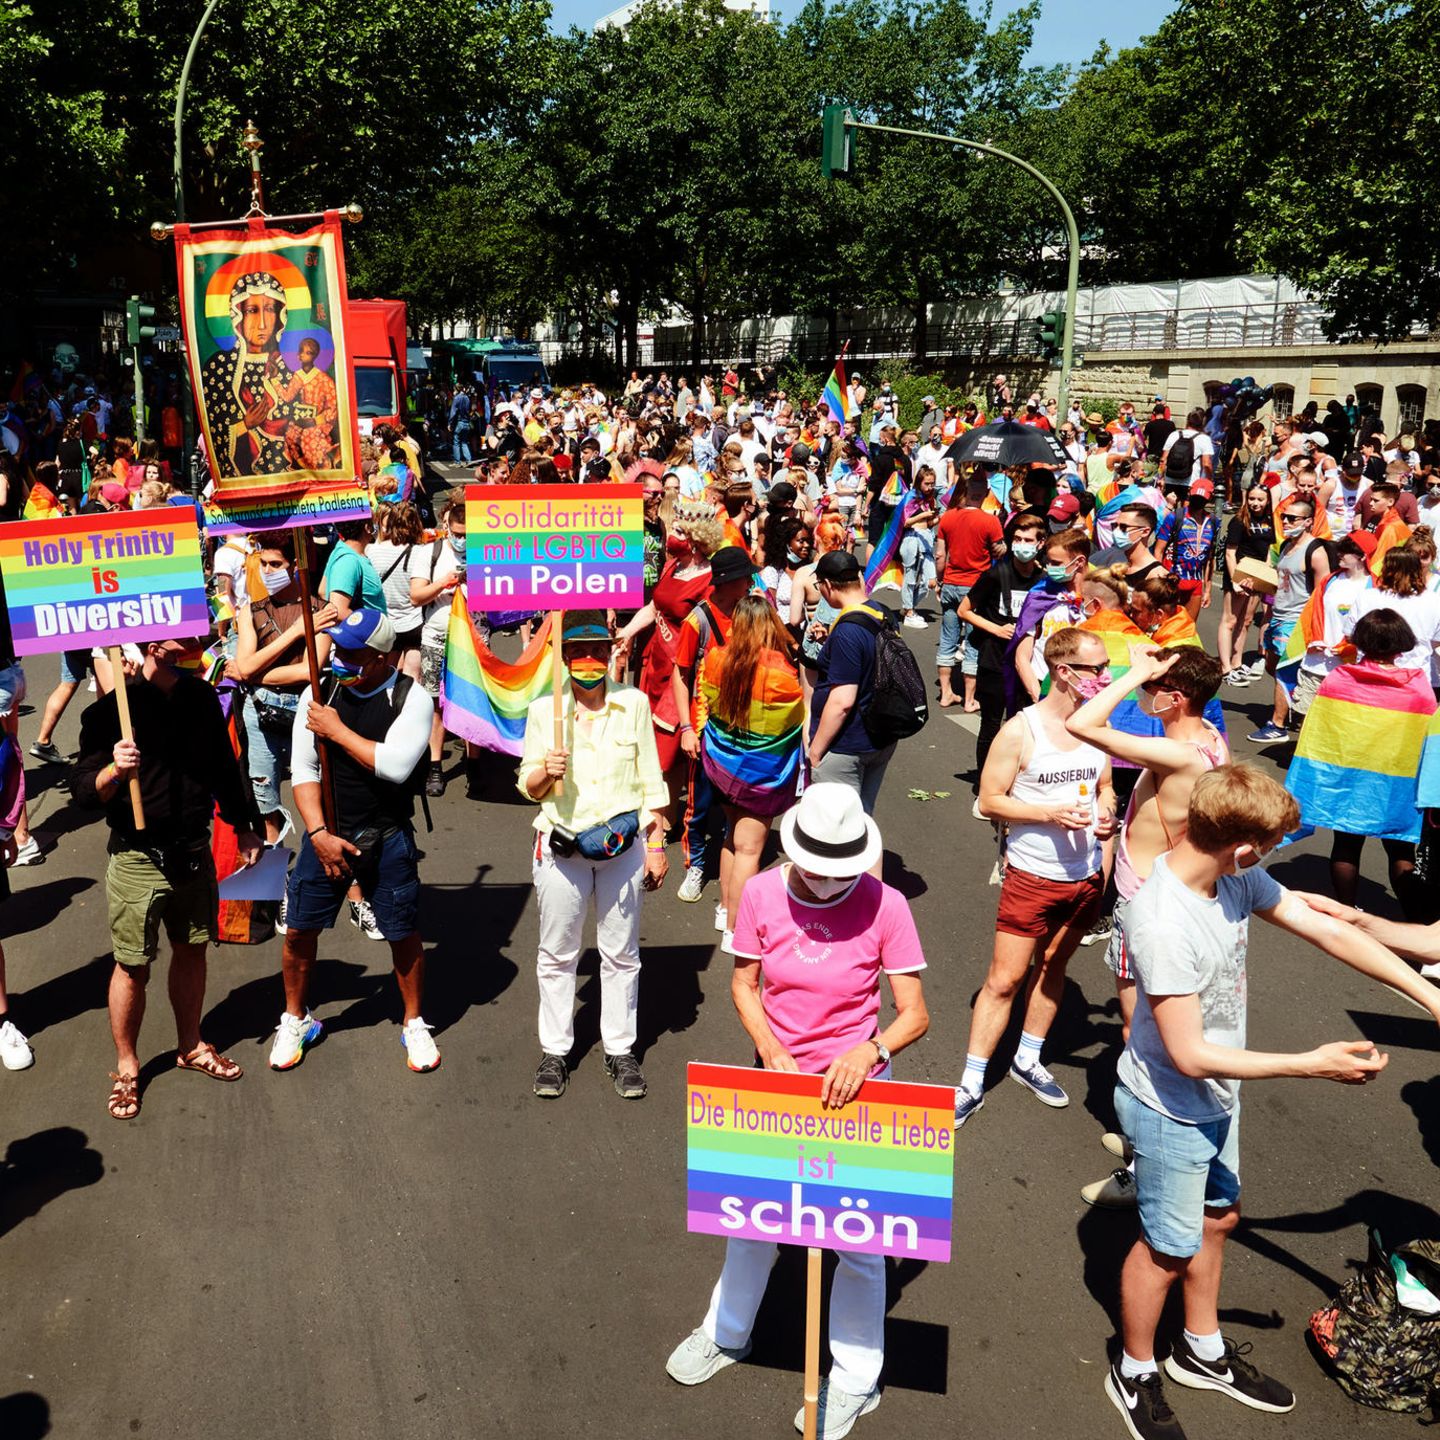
(655, 845)
(686, 726)
(311, 834)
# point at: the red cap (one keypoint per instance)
(1204, 488)
(1365, 540)
(1066, 507)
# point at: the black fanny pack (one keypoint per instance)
(369, 840)
(604, 841)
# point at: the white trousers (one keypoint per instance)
(857, 1309)
(564, 888)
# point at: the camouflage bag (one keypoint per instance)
(1381, 1351)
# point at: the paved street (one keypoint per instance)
(350, 1250)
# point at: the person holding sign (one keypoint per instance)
(611, 791)
(811, 940)
(377, 723)
(162, 874)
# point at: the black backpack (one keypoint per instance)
(1180, 459)
(898, 705)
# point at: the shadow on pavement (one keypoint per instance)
(466, 964)
(65, 997)
(1397, 1032)
(32, 907)
(36, 1170)
(670, 993)
(897, 874)
(1423, 1097)
(24, 1416)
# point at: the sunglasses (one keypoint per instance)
(1290, 516)
(1100, 669)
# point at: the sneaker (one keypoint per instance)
(15, 1051)
(975, 809)
(1142, 1405)
(1104, 928)
(282, 916)
(362, 917)
(1118, 1146)
(420, 1052)
(727, 942)
(1041, 1083)
(1230, 1375)
(435, 782)
(28, 853)
(1268, 735)
(1430, 972)
(697, 1357)
(1239, 678)
(721, 918)
(837, 1412)
(624, 1070)
(292, 1035)
(691, 885)
(47, 751)
(914, 622)
(966, 1105)
(1115, 1192)
(551, 1076)
(1256, 668)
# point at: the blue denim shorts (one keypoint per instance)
(12, 688)
(74, 666)
(1180, 1170)
(315, 899)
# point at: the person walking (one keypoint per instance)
(163, 875)
(376, 722)
(1250, 535)
(917, 546)
(966, 539)
(818, 1019)
(613, 793)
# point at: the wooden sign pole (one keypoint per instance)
(557, 687)
(812, 1340)
(127, 731)
(312, 659)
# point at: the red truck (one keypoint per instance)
(376, 333)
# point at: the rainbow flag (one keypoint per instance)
(836, 394)
(884, 568)
(755, 766)
(1309, 630)
(41, 504)
(483, 699)
(1357, 762)
(1393, 532)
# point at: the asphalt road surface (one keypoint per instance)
(350, 1250)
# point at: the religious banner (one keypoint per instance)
(319, 505)
(105, 579)
(766, 1161)
(263, 317)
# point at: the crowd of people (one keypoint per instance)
(762, 685)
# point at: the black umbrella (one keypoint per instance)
(1007, 443)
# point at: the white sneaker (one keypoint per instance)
(1430, 972)
(362, 917)
(292, 1035)
(15, 1051)
(1256, 669)
(727, 943)
(914, 622)
(282, 916)
(696, 1358)
(420, 1052)
(28, 853)
(837, 1411)
(692, 885)
(721, 919)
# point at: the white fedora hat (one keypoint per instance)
(828, 832)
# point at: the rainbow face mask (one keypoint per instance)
(344, 673)
(587, 673)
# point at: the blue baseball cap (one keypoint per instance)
(364, 630)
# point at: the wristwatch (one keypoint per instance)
(881, 1052)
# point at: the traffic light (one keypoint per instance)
(139, 321)
(837, 141)
(1050, 331)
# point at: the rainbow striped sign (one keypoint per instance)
(89, 580)
(554, 547)
(767, 1162)
(299, 509)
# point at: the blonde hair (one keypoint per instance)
(705, 533)
(1112, 581)
(1239, 805)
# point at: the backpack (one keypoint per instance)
(1380, 1351)
(898, 707)
(1180, 460)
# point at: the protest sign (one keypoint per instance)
(227, 514)
(766, 1161)
(107, 579)
(554, 547)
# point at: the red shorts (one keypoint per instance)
(1037, 908)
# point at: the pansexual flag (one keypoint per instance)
(484, 699)
(1357, 762)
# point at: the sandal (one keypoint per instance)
(124, 1102)
(205, 1059)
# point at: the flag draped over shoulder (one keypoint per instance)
(41, 504)
(1309, 630)
(1357, 762)
(1393, 532)
(883, 567)
(484, 699)
(836, 394)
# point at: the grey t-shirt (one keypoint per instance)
(1181, 943)
(1294, 592)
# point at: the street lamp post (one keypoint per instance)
(838, 125)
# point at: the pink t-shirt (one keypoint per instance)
(821, 964)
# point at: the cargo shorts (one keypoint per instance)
(142, 899)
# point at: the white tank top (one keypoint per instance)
(1051, 778)
(1343, 508)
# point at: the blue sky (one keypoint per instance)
(1068, 33)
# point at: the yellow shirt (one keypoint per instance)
(613, 765)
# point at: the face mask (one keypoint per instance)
(677, 545)
(1148, 707)
(795, 559)
(1291, 531)
(1025, 550)
(190, 660)
(344, 672)
(457, 544)
(588, 673)
(1087, 686)
(1058, 573)
(1127, 541)
(826, 887)
(1247, 857)
(275, 580)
